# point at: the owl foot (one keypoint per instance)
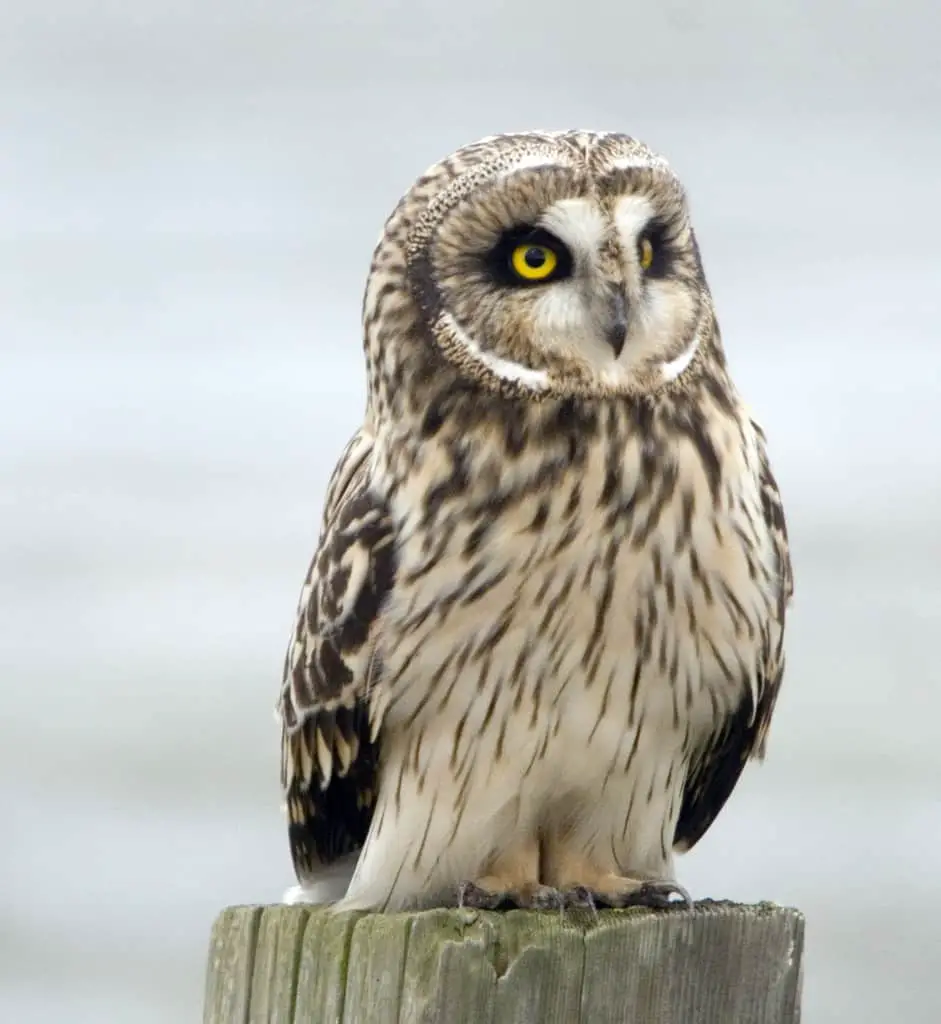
(580, 897)
(489, 894)
(617, 892)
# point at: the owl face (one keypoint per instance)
(558, 264)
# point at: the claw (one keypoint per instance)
(530, 897)
(655, 894)
(675, 889)
(469, 894)
(581, 897)
(543, 897)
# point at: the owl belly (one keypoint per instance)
(554, 691)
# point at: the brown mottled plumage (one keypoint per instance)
(542, 633)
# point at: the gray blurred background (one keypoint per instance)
(189, 196)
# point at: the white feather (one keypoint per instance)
(579, 223)
(505, 369)
(640, 160)
(329, 886)
(531, 161)
(672, 369)
(631, 216)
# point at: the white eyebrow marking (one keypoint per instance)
(631, 215)
(578, 222)
(505, 369)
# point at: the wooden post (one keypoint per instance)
(718, 963)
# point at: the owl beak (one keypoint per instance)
(615, 330)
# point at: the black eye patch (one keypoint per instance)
(661, 239)
(520, 240)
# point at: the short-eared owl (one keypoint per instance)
(542, 632)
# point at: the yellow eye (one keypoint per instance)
(646, 254)
(533, 262)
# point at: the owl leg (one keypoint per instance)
(510, 880)
(584, 881)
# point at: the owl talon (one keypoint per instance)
(528, 897)
(664, 891)
(580, 897)
(543, 897)
(655, 895)
(470, 894)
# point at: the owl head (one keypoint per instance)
(547, 264)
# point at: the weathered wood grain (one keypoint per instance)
(714, 964)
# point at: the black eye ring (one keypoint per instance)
(528, 256)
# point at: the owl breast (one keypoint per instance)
(553, 654)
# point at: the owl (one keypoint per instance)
(542, 632)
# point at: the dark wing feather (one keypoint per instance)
(329, 736)
(715, 770)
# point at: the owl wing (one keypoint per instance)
(327, 706)
(716, 768)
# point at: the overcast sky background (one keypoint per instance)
(189, 196)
